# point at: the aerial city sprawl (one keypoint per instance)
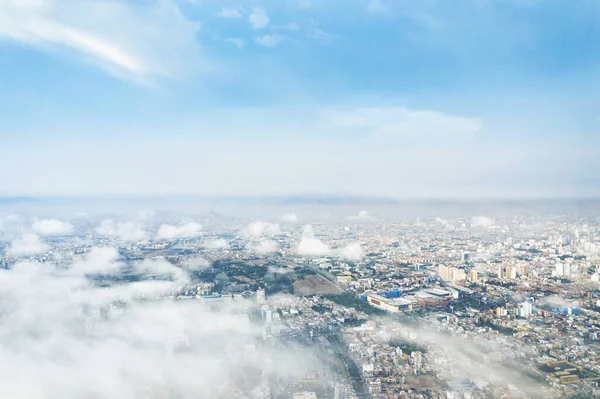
(322, 304)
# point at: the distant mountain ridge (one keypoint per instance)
(17, 200)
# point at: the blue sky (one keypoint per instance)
(429, 98)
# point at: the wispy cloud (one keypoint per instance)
(399, 121)
(231, 13)
(263, 247)
(239, 43)
(216, 244)
(292, 27)
(133, 41)
(269, 40)
(377, 7)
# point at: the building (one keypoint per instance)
(340, 392)
(305, 395)
(417, 358)
(511, 272)
(562, 269)
(451, 274)
(500, 311)
(443, 272)
(525, 309)
(260, 296)
(389, 304)
(500, 272)
(473, 276)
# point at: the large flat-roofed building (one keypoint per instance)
(440, 293)
(389, 304)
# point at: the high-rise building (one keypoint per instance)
(417, 357)
(457, 275)
(267, 315)
(500, 272)
(305, 395)
(473, 276)
(451, 274)
(339, 392)
(260, 296)
(500, 311)
(511, 273)
(443, 272)
(526, 309)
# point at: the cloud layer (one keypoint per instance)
(67, 338)
(310, 245)
(52, 227)
(126, 231)
(259, 229)
(170, 232)
(27, 244)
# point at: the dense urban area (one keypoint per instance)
(363, 306)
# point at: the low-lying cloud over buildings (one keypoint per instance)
(170, 232)
(52, 227)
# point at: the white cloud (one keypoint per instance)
(101, 260)
(230, 13)
(10, 227)
(258, 18)
(377, 7)
(162, 267)
(352, 252)
(195, 263)
(107, 352)
(310, 245)
(290, 218)
(127, 231)
(263, 247)
(269, 40)
(52, 227)
(145, 214)
(260, 228)
(399, 121)
(27, 244)
(137, 41)
(556, 301)
(292, 26)
(362, 215)
(239, 43)
(321, 35)
(171, 232)
(482, 221)
(216, 244)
